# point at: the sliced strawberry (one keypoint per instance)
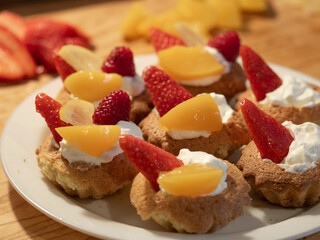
(49, 110)
(10, 68)
(227, 43)
(161, 40)
(165, 92)
(262, 79)
(62, 67)
(43, 37)
(14, 22)
(113, 108)
(148, 159)
(120, 61)
(271, 138)
(18, 50)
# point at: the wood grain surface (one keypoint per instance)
(285, 35)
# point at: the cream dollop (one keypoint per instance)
(206, 81)
(73, 154)
(293, 92)
(304, 151)
(225, 112)
(189, 157)
(134, 86)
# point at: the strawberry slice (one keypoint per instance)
(11, 69)
(271, 138)
(227, 43)
(165, 92)
(49, 110)
(14, 22)
(43, 37)
(62, 67)
(120, 61)
(262, 78)
(161, 40)
(19, 51)
(148, 159)
(112, 109)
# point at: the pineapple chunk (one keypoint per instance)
(200, 113)
(190, 180)
(77, 112)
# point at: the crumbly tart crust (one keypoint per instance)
(141, 105)
(275, 184)
(297, 115)
(95, 181)
(233, 135)
(228, 85)
(192, 214)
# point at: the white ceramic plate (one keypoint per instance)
(113, 217)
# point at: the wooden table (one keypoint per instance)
(287, 37)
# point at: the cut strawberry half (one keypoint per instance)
(11, 69)
(113, 108)
(19, 51)
(49, 110)
(161, 40)
(148, 159)
(120, 61)
(62, 67)
(227, 43)
(271, 138)
(262, 79)
(165, 92)
(43, 37)
(13, 22)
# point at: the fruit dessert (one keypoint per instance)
(210, 68)
(86, 76)
(282, 162)
(194, 192)
(201, 123)
(82, 155)
(286, 98)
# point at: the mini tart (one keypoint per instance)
(191, 214)
(141, 105)
(275, 184)
(95, 181)
(228, 85)
(233, 135)
(297, 115)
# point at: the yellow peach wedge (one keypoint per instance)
(77, 112)
(253, 5)
(91, 139)
(188, 63)
(80, 58)
(200, 113)
(92, 86)
(190, 180)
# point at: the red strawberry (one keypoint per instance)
(43, 37)
(120, 61)
(49, 110)
(161, 40)
(165, 92)
(62, 67)
(13, 22)
(227, 43)
(148, 159)
(112, 109)
(271, 138)
(10, 68)
(19, 51)
(262, 78)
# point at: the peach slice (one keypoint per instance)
(190, 180)
(188, 63)
(92, 86)
(200, 113)
(253, 5)
(92, 139)
(77, 112)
